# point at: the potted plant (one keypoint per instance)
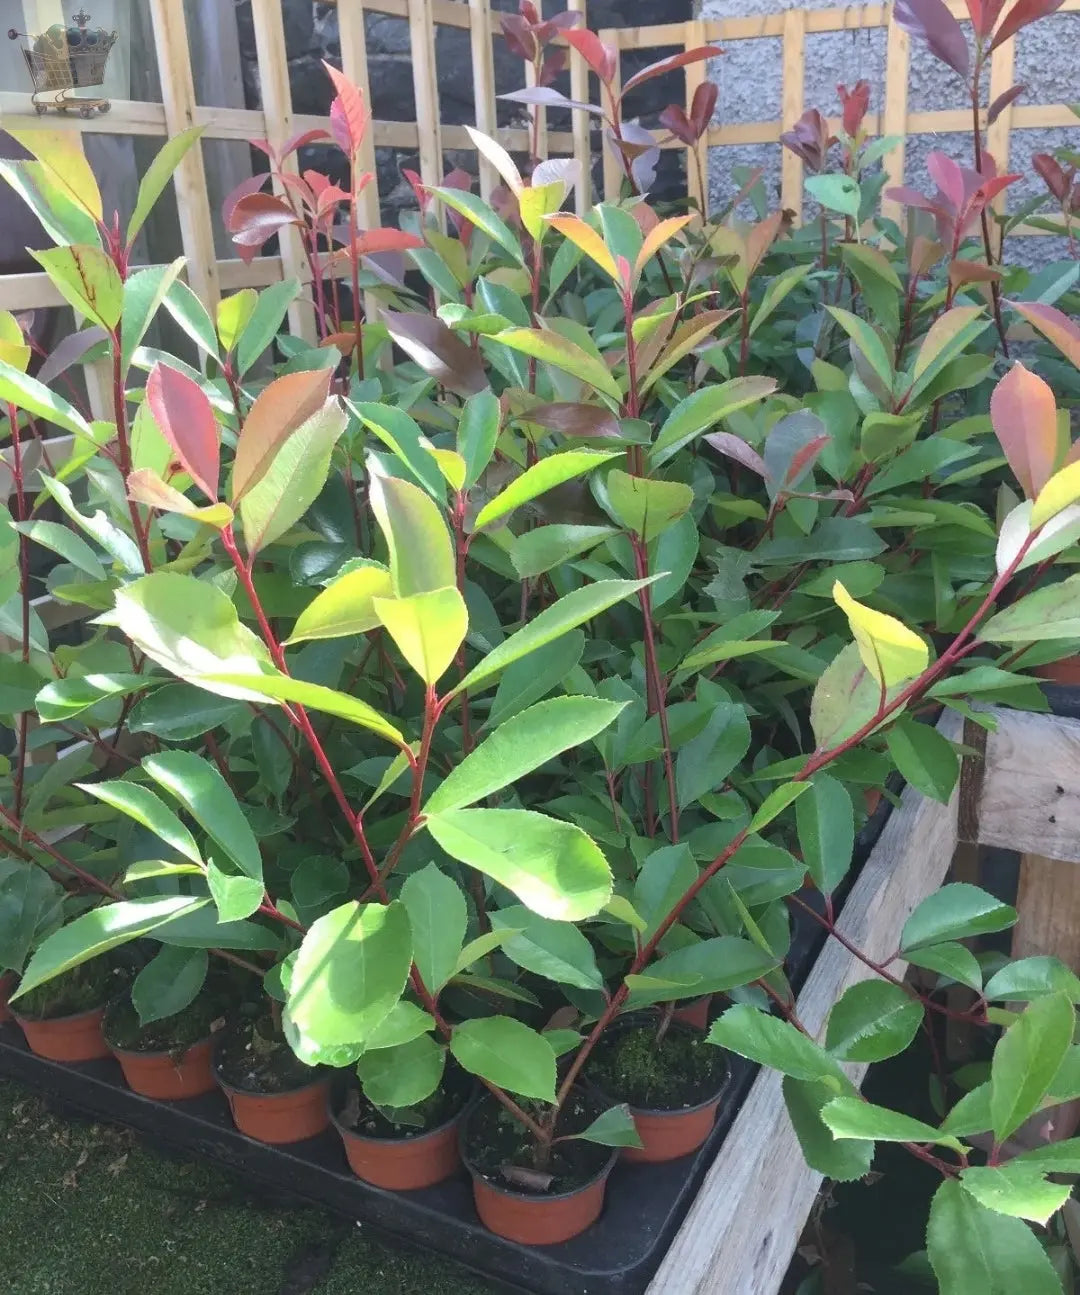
(517, 688)
(168, 1057)
(62, 1019)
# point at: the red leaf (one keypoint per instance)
(187, 422)
(670, 64)
(418, 187)
(373, 241)
(855, 104)
(804, 457)
(302, 140)
(703, 106)
(518, 36)
(1002, 102)
(734, 447)
(1054, 326)
(675, 120)
(439, 351)
(602, 58)
(983, 14)
(1022, 14)
(1052, 175)
(579, 421)
(255, 218)
(352, 107)
(1024, 415)
(279, 410)
(251, 185)
(932, 22)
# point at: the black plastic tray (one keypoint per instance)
(618, 1255)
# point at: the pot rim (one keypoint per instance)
(716, 1096)
(321, 1077)
(346, 1132)
(535, 1198)
(55, 1020)
(138, 1054)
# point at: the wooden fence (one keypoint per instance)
(276, 121)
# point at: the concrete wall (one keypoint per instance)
(750, 88)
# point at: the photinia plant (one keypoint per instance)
(484, 703)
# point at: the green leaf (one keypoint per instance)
(1049, 613)
(349, 972)
(507, 1053)
(775, 803)
(98, 931)
(952, 960)
(24, 392)
(825, 820)
(421, 551)
(401, 433)
(283, 688)
(775, 293)
(665, 876)
(179, 711)
(204, 793)
(144, 291)
(842, 1159)
(851, 1117)
(235, 895)
(1029, 978)
(774, 1043)
(190, 627)
(428, 628)
(482, 216)
(31, 908)
(550, 471)
(644, 505)
(157, 176)
(294, 479)
(553, 867)
(87, 279)
(480, 948)
(477, 432)
(877, 280)
(405, 1022)
(704, 762)
(557, 951)
(534, 676)
(947, 338)
(712, 966)
(1017, 1189)
(955, 912)
(1026, 1059)
(402, 1075)
(146, 807)
(703, 409)
(345, 607)
(63, 699)
(521, 744)
(264, 323)
(561, 353)
(836, 192)
(846, 698)
(544, 547)
(872, 1021)
(573, 609)
(192, 316)
(976, 1251)
(615, 1127)
(866, 338)
(836, 539)
(61, 539)
(926, 759)
(168, 983)
(439, 919)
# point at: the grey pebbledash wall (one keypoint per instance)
(748, 75)
(749, 79)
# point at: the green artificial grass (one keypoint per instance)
(89, 1210)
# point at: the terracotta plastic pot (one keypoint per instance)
(166, 1076)
(8, 982)
(1066, 671)
(667, 1135)
(871, 799)
(66, 1038)
(694, 1012)
(403, 1164)
(277, 1118)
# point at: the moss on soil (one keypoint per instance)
(89, 1210)
(683, 1070)
(172, 1034)
(87, 986)
(255, 1058)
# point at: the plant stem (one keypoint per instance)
(24, 594)
(976, 137)
(655, 682)
(124, 458)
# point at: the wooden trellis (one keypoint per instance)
(276, 121)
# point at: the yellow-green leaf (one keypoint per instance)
(588, 240)
(550, 471)
(233, 315)
(344, 607)
(644, 505)
(13, 348)
(417, 537)
(890, 651)
(1060, 491)
(61, 153)
(86, 277)
(428, 629)
(562, 354)
(145, 486)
